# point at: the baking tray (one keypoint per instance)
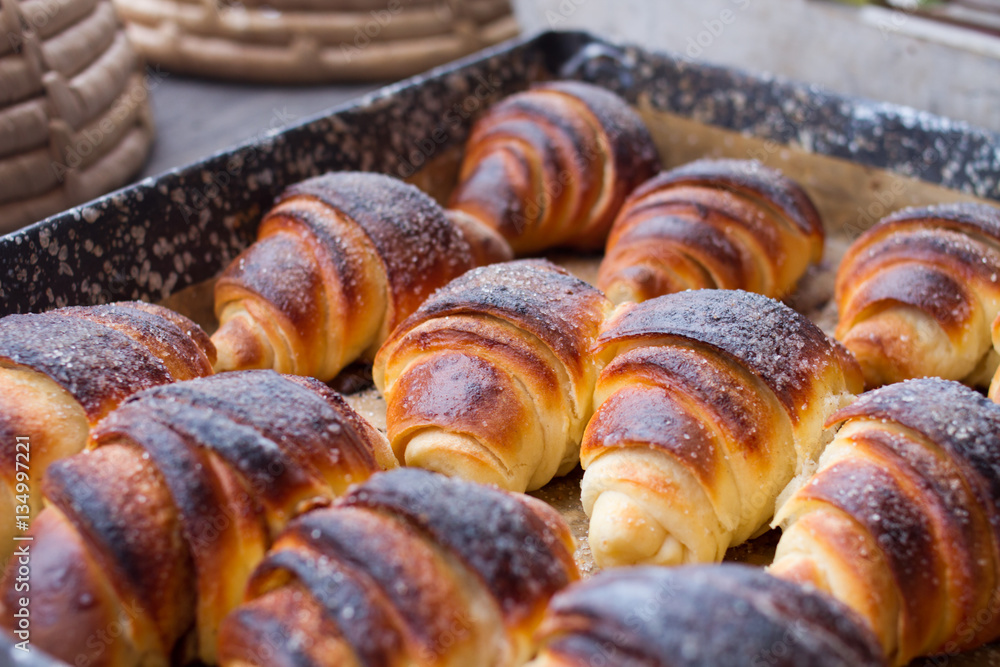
(164, 239)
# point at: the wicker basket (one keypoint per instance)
(311, 41)
(74, 113)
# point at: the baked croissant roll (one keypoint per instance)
(701, 616)
(709, 404)
(63, 370)
(727, 224)
(338, 263)
(902, 519)
(410, 568)
(157, 527)
(995, 385)
(917, 294)
(551, 166)
(492, 379)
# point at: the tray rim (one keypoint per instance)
(571, 54)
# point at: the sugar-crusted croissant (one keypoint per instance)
(157, 527)
(902, 519)
(995, 385)
(551, 166)
(63, 370)
(701, 616)
(917, 294)
(410, 568)
(727, 224)
(709, 403)
(338, 263)
(491, 379)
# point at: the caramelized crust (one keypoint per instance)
(491, 379)
(551, 167)
(534, 295)
(775, 343)
(183, 489)
(410, 568)
(63, 370)
(912, 476)
(917, 294)
(995, 385)
(530, 535)
(700, 616)
(709, 403)
(98, 365)
(727, 224)
(340, 260)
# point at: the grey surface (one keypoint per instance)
(871, 52)
(195, 118)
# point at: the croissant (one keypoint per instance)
(917, 294)
(700, 616)
(410, 568)
(709, 403)
(338, 263)
(155, 530)
(902, 519)
(995, 385)
(491, 378)
(551, 166)
(63, 370)
(727, 224)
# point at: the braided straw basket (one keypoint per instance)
(310, 41)
(74, 113)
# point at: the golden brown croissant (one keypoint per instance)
(709, 403)
(917, 294)
(410, 568)
(995, 385)
(701, 616)
(491, 379)
(156, 529)
(902, 519)
(727, 224)
(338, 263)
(63, 370)
(551, 166)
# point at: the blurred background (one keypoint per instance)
(942, 57)
(77, 118)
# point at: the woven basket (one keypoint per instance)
(74, 113)
(311, 41)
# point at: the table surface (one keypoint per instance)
(195, 118)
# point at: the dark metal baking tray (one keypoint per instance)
(163, 234)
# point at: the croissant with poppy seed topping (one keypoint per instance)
(918, 292)
(338, 263)
(63, 370)
(727, 224)
(410, 568)
(701, 616)
(551, 166)
(902, 520)
(709, 403)
(492, 378)
(157, 527)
